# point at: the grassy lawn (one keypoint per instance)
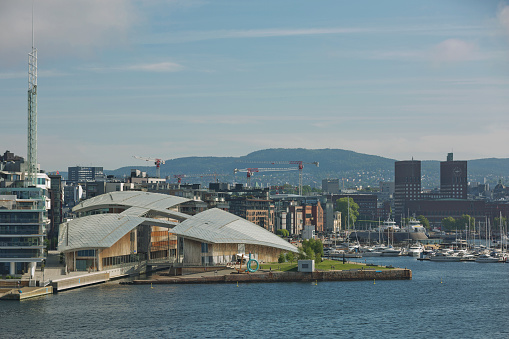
(323, 266)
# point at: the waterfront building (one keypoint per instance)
(119, 230)
(23, 226)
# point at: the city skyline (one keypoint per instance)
(171, 79)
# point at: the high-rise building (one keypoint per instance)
(453, 178)
(330, 186)
(23, 224)
(407, 185)
(56, 212)
(83, 174)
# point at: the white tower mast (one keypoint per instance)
(32, 112)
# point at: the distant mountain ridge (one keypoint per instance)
(356, 168)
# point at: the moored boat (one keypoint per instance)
(415, 250)
(390, 252)
(486, 258)
(444, 257)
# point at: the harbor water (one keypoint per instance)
(443, 300)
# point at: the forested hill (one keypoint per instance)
(355, 168)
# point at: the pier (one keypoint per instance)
(230, 276)
(24, 292)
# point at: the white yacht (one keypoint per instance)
(486, 258)
(415, 226)
(371, 252)
(390, 252)
(444, 257)
(415, 250)
(390, 225)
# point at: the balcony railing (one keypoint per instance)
(19, 244)
(26, 255)
(20, 230)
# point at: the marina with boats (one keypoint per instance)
(390, 240)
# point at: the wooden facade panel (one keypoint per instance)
(121, 247)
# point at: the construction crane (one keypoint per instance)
(180, 176)
(157, 162)
(250, 171)
(300, 167)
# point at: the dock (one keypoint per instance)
(23, 293)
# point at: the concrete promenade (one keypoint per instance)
(232, 276)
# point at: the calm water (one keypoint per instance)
(471, 302)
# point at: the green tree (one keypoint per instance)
(302, 253)
(342, 206)
(311, 249)
(464, 220)
(424, 221)
(283, 233)
(282, 258)
(310, 254)
(290, 256)
(448, 224)
(497, 221)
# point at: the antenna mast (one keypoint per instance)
(32, 112)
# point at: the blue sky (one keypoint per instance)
(170, 79)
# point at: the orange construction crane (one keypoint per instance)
(157, 162)
(300, 167)
(250, 171)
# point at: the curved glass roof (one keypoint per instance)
(142, 201)
(100, 230)
(218, 226)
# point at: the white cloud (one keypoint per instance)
(191, 36)
(503, 18)
(454, 50)
(156, 67)
(251, 33)
(63, 27)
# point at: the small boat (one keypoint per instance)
(444, 257)
(371, 252)
(343, 254)
(486, 258)
(390, 252)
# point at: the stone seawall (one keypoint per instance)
(347, 275)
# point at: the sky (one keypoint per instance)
(169, 79)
